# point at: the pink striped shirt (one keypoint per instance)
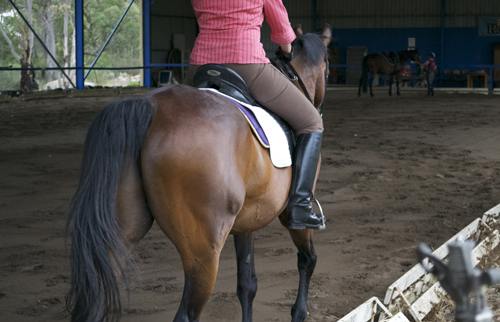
(230, 30)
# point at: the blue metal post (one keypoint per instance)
(443, 31)
(490, 85)
(146, 41)
(79, 43)
(109, 38)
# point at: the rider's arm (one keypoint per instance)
(277, 18)
(286, 48)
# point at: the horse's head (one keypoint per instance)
(414, 56)
(311, 62)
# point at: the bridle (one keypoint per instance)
(289, 71)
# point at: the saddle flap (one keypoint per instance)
(227, 82)
(223, 79)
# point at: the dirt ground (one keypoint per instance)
(396, 171)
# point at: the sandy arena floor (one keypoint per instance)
(395, 171)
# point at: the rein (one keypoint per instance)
(289, 71)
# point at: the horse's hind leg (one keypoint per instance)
(306, 262)
(397, 85)
(371, 84)
(199, 245)
(134, 217)
(197, 217)
(247, 280)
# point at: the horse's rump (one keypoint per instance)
(200, 140)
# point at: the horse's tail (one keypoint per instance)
(364, 75)
(98, 253)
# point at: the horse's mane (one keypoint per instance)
(407, 53)
(310, 47)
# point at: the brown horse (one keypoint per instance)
(379, 64)
(187, 159)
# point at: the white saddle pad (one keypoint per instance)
(278, 143)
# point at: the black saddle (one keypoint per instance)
(392, 57)
(228, 82)
(225, 80)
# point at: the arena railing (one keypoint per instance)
(150, 66)
(447, 73)
(451, 74)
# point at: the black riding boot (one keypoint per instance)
(300, 211)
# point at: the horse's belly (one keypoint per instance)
(264, 203)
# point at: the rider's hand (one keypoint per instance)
(285, 53)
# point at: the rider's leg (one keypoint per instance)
(273, 90)
(430, 82)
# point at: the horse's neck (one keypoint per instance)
(403, 56)
(307, 73)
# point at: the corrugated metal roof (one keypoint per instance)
(393, 13)
(465, 13)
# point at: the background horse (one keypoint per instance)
(379, 64)
(187, 159)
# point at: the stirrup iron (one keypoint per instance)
(323, 225)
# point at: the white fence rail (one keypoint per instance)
(420, 290)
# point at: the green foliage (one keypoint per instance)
(100, 18)
(9, 81)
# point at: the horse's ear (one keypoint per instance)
(298, 30)
(327, 34)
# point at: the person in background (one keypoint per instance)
(430, 68)
(406, 72)
(230, 35)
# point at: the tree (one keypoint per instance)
(28, 80)
(53, 21)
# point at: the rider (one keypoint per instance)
(230, 35)
(430, 67)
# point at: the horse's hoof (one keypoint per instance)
(399, 94)
(372, 95)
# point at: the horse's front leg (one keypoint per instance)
(391, 80)
(397, 84)
(371, 83)
(306, 262)
(247, 280)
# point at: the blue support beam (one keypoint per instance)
(443, 32)
(490, 83)
(79, 43)
(146, 41)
